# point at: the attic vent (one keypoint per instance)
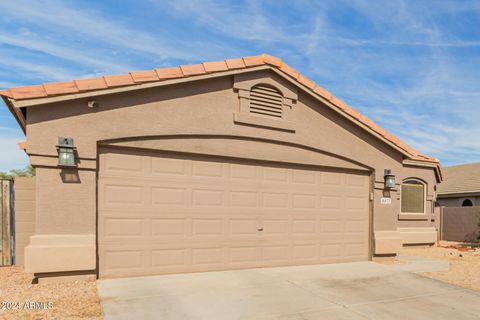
(266, 101)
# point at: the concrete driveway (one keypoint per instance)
(363, 290)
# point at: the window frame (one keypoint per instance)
(417, 182)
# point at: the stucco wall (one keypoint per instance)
(24, 215)
(199, 110)
(460, 224)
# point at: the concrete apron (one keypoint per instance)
(361, 290)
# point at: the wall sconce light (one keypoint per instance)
(66, 152)
(389, 179)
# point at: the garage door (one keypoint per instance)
(163, 214)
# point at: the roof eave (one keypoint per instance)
(17, 113)
(427, 164)
(455, 194)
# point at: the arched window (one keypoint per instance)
(467, 203)
(413, 196)
(265, 100)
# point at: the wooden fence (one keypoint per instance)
(7, 223)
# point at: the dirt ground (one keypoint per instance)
(464, 265)
(68, 300)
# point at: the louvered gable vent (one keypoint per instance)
(266, 100)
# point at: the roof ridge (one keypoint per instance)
(162, 74)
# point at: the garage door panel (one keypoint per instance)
(305, 177)
(169, 196)
(244, 226)
(242, 172)
(165, 258)
(171, 214)
(332, 179)
(123, 227)
(275, 254)
(125, 164)
(244, 256)
(208, 197)
(124, 195)
(170, 227)
(274, 200)
(165, 167)
(275, 175)
(244, 198)
(304, 226)
(304, 201)
(125, 260)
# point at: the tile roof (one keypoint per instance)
(463, 178)
(138, 77)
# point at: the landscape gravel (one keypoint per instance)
(464, 263)
(20, 299)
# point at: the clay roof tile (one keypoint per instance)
(306, 82)
(144, 76)
(322, 92)
(192, 69)
(28, 92)
(169, 73)
(118, 80)
(22, 144)
(290, 71)
(215, 66)
(339, 103)
(6, 93)
(235, 63)
(56, 88)
(91, 84)
(253, 61)
(271, 60)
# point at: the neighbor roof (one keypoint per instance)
(459, 179)
(163, 74)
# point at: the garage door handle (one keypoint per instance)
(260, 229)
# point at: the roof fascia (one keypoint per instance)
(456, 194)
(17, 113)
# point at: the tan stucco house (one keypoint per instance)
(460, 186)
(240, 163)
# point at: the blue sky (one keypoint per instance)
(412, 66)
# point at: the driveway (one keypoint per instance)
(362, 290)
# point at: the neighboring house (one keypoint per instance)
(460, 186)
(232, 164)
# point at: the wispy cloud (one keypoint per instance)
(411, 66)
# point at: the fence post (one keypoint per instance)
(6, 222)
(12, 223)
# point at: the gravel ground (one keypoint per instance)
(464, 265)
(68, 300)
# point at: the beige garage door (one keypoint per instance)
(170, 214)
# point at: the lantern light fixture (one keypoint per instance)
(389, 179)
(66, 152)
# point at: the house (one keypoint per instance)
(233, 164)
(460, 186)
